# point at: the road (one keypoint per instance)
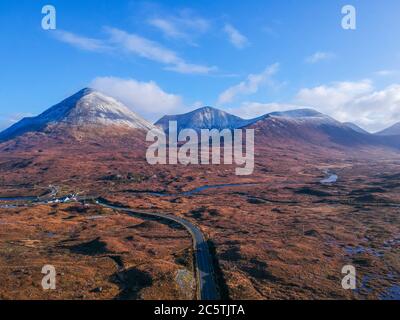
(206, 287)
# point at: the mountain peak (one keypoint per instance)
(87, 107)
(206, 108)
(85, 91)
(203, 118)
(298, 113)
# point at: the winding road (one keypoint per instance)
(206, 287)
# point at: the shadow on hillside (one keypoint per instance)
(131, 282)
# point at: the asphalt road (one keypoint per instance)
(206, 287)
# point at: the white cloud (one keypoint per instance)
(385, 73)
(132, 43)
(145, 98)
(184, 26)
(357, 102)
(319, 56)
(192, 22)
(338, 93)
(151, 50)
(168, 28)
(188, 68)
(143, 47)
(80, 42)
(249, 86)
(235, 37)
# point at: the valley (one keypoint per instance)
(283, 234)
(314, 203)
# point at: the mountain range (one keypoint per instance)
(91, 110)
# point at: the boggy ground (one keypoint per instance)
(280, 235)
(98, 254)
(289, 236)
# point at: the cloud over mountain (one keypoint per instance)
(359, 102)
(147, 98)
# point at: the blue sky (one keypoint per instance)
(246, 57)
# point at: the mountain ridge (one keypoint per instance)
(393, 130)
(203, 118)
(87, 107)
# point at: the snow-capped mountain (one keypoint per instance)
(85, 108)
(204, 118)
(299, 113)
(305, 124)
(212, 118)
(303, 116)
(310, 126)
(391, 131)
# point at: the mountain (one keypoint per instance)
(204, 118)
(355, 127)
(304, 116)
(391, 131)
(86, 108)
(299, 113)
(212, 118)
(312, 127)
(300, 125)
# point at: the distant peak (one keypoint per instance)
(203, 118)
(85, 92)
(88, 90)
(206, 109)
(298, 113)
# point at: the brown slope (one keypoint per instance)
(315, 133)
(71, 154)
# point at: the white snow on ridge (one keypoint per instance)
(204, 118)
(97, 108)
(86, 107)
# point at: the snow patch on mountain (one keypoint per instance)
(204, 118)
(86, 107)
